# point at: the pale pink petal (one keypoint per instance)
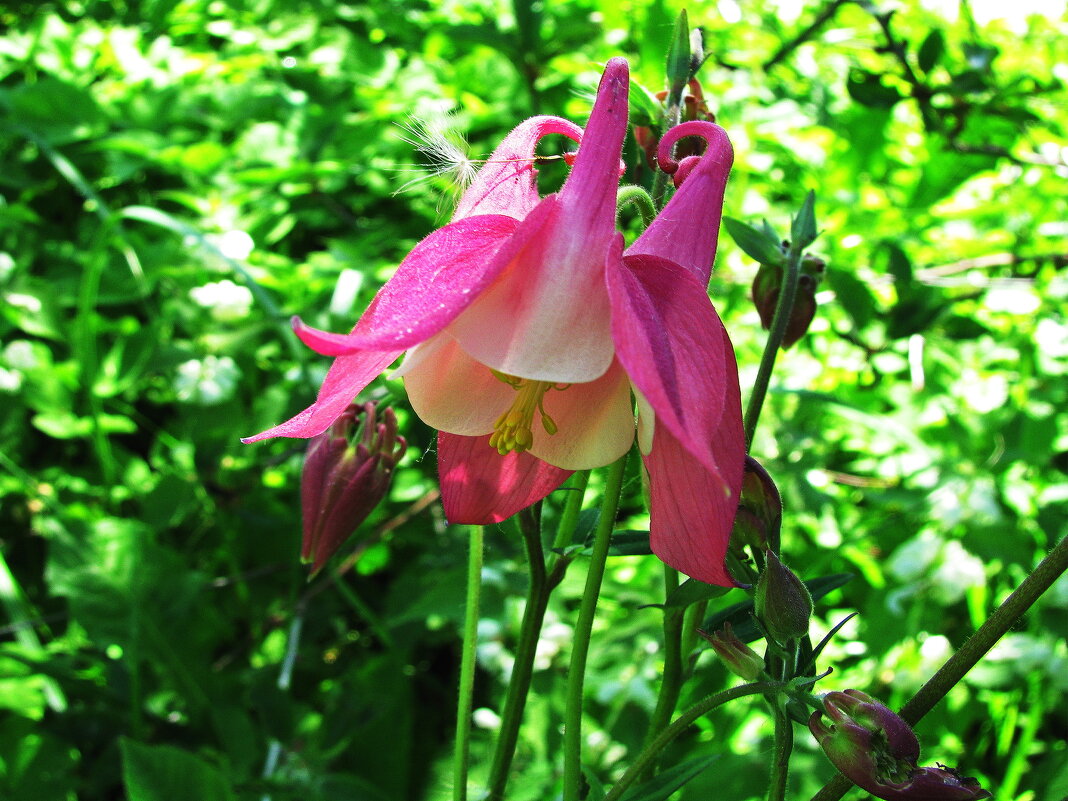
(441, 277)
(479, 486)
(452, 392)
(692, 508)
(594, 421)
(686, 230)
(673, 346)
(348, 375)
(547, 317)
(507, 182)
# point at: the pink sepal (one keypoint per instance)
(347, 377)
(687, 228)
(691, 510)
(506, 183)
(671, 343)
(479, 486)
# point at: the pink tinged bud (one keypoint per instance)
(347, 472)
(740, 659)
(765, 291)
(783, 602)
(877, 751)
(760, 511)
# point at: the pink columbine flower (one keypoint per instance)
(527, 329)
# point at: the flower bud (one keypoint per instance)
(347, 471)
(877, 751)
(759, 516)
(740, 659)
(782, 601)
(693, 107)
(765, 290)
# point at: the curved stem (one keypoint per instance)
(462, 747)
(1004, 618)
(583, 627)
(783, 309)
(636, 196)
(526, 648)
(702, 707)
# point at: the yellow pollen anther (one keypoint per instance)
(512, 431)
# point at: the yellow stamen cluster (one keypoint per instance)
(512, 431)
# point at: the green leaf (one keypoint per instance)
(667, 782)
(756, 244)
(803, 230)
(678, 58)
(854, 295)
(931, 50)
(164, 773)
(868, 89)
(693, 591)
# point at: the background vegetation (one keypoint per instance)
(180, 176)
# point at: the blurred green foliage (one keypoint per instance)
(180, 176)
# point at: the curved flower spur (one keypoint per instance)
(526, 328)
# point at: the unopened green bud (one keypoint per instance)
(740, 659)
(782, 601)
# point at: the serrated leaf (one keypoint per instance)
(667, 782)
(754, 243)
(693, 591)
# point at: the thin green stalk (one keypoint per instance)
(1004, 618)
(783, 309)
(583, 628)
(683, 722)
(565, 532)
(285, 677)
(695, 616)
(462, 748)
(526, 648)
(784, 746)
(671, 682)
(636, 196)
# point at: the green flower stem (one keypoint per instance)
(783, 309)
(576, 490)
(695, 617)
(784, 746)
(1004, 618)
(671, 683)
(462, 747)
(672, 114)
(683, 722)
(523, 668)
(285, 678)
(583, 627)
(636, 196)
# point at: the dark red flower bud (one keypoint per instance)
(766, 285)
(759, 514)
(877, 751)
(347, 471)
(740, 659)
